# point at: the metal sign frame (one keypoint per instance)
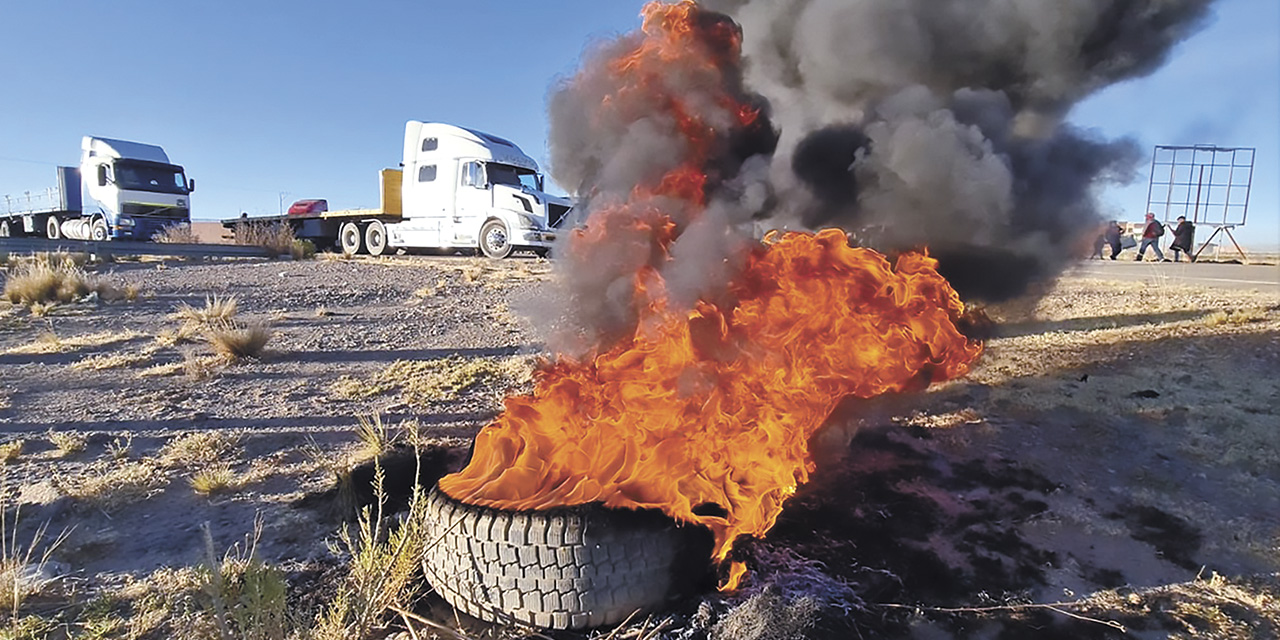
(1207, 184)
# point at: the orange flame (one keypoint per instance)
(714, 405)
(718, 405)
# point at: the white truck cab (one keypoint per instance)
(462, 188)
(120, 190)
(133, 190)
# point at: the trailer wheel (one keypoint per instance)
(53, 228)
(570, 568)
(494, 241)
(98, 230)
(375, 238)
(350, 238)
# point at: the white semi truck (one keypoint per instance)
(456, 189)
(122, 190)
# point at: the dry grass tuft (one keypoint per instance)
(111, 361)
(216, 479)
(323, 312)
(375, 437)
(351, 388)
(109, 486)
(198, 368)
(176, 234)
(11, 451)
(198, 449)
(425, 381)
(163, 370)
(236, 341)
(68, 442)
(118, 448)
(1235, 317)
(186, 332)
(58, 278)
(51, 343)
(216, 310)
(21, 565)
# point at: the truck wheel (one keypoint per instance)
(569, 568)
(53, 228)
(98, 230)
(494, 241)
(375, 238)
(350, 238)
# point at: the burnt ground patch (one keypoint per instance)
(1174, 538)
(903, 524)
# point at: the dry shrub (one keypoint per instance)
(246, 598)
(277, 238)
(54, 278)
(383, 562)
(198, 449)
(236, 341)
(68, 442)
(176, 234)
(216, 310)
(11, 451)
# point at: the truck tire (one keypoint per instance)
(494, 240)
(569, 568)
(351, 238)
(53, 228)
(98, 230)
(375, 238)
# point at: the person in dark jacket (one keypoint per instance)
(1112, 237)
(1184, 235)
(1151, 238)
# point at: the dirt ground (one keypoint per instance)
(1113, 461)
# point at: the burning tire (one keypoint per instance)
(569, 568)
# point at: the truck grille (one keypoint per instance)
(151, 210)
(555, 214)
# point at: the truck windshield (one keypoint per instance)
(514, 176)
(136, 175)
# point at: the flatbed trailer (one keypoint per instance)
(465, 190)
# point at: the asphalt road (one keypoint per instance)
(1264, 278)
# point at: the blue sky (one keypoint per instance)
(269, 102)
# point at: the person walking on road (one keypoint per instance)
(1151, 238)
(1112, 237)
(1184, 235)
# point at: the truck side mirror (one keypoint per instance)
(191, 185)
(538, 177)
(102, 175)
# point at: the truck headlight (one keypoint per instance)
(528, 222)
(124, 221)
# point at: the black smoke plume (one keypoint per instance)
(908, 123)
